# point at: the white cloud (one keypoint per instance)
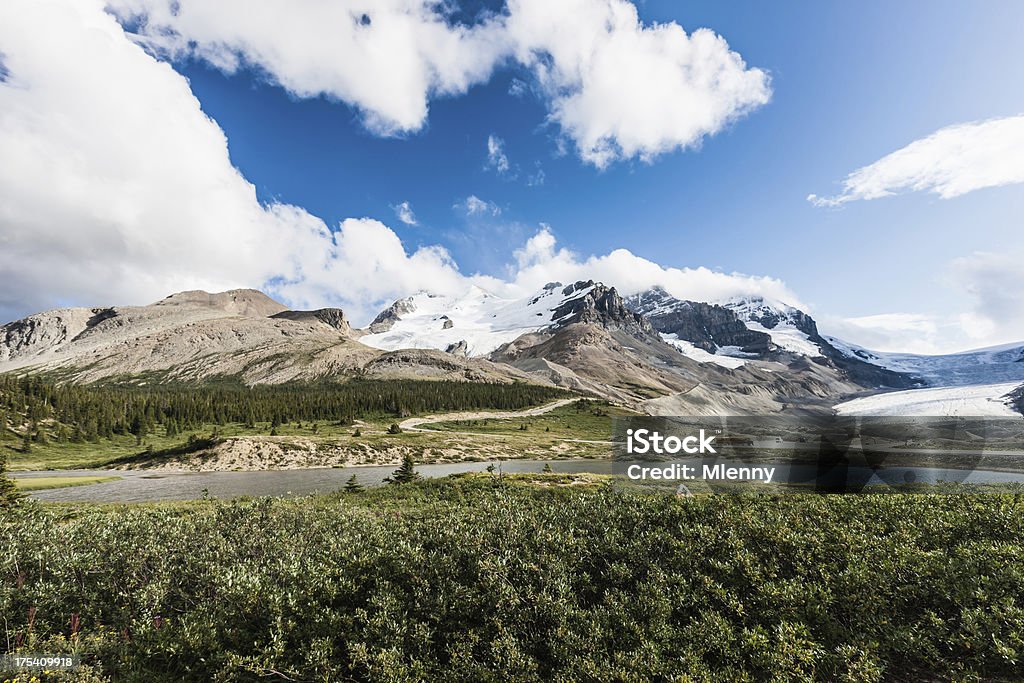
(496, 157)
(116, 187)
(616, 88)
(619, 89)
(995, 285)
(541, 261)
(474, 206)
(517, 88)
(902, 332)
(404, 213)
(950, 162)
(127, 197)
(387, 58)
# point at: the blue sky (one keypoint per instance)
(850, 84)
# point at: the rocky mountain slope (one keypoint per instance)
(197, 335)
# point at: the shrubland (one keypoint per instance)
(487, 578)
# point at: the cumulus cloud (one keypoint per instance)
(127, 197)
(615, 87)
(541, 260)
(950, 162)
(619, 89)
(386, 58)
(404, 213)
(117, 188)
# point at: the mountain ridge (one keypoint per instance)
(648, 350)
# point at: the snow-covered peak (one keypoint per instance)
(789, 327)
(481, 319)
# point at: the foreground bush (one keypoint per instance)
(469, 581)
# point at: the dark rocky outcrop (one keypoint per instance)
(333, 317)
(591, 303)
(459, 348)
(706, 326)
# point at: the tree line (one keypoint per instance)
(83, 412)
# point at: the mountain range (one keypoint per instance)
(650, 351)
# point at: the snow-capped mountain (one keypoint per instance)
(789, 328)
(478, 322)
(652, 351)
(702, 331)
(195, 336)
(741, 329)
(993, 365)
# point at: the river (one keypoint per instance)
(139, 486)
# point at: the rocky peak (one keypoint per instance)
(387, 318)
(770, 315)
(706, 326)
(594, 303)
(250, 303)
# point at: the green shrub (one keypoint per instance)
(480, 579)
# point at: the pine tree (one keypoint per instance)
(9, 494)
(353, 485)
(406, 472)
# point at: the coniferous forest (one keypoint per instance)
(76, 413)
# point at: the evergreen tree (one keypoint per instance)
(406, 472)
(353, 485)
(138, 429)
(9, 495)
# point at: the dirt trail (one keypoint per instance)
(412, 424)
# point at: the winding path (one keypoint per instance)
(412, 424)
